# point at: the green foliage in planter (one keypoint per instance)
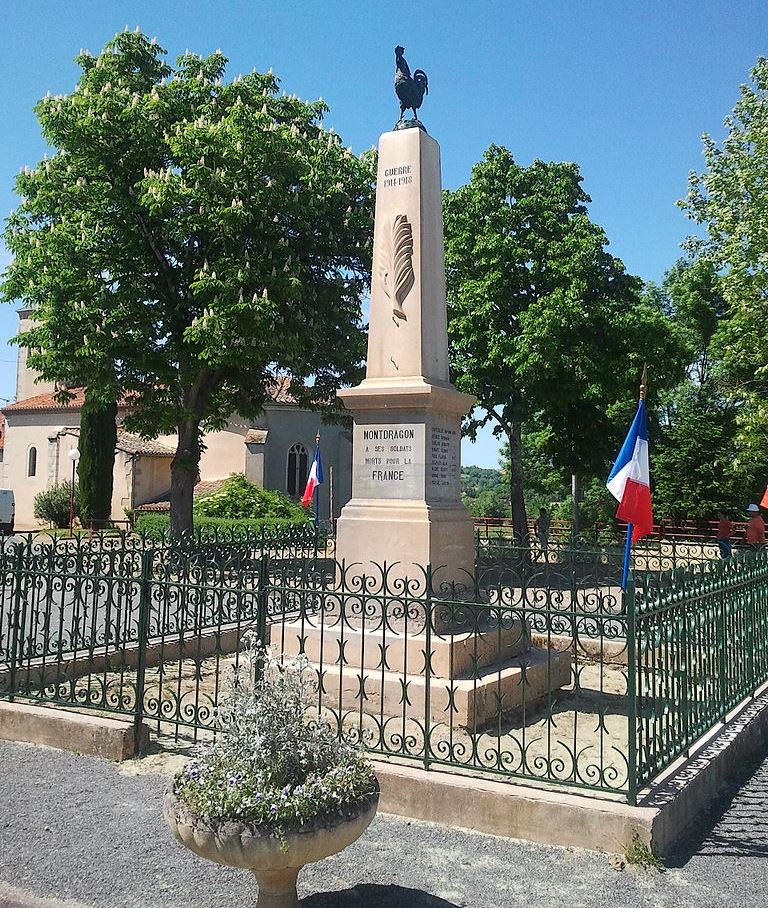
(53, 504)
(239, 499)
(270, 765)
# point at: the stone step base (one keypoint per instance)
(453, 656)
(470, 702)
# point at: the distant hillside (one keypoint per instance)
(484, 492)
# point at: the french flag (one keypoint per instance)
(314, 479)
(630, 479)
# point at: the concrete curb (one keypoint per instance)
(515, 811)
(664, 814)
(97, 736)
(695, 783)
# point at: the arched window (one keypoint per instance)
(32, 462)
(297, 469)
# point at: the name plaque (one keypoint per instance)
(444, 475)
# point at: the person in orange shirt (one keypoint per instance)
(755, 535)
(724, 533)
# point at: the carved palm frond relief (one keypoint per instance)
(396, 266)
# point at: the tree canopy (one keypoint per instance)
(543, 321)
(698, 463)
(483, 491)
(730, 198)
(187, 240)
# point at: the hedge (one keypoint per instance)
(157, 526)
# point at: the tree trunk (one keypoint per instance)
(95, 473)
(575, 496)
(184, 473)
(516, 497)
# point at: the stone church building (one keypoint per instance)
(275, 450)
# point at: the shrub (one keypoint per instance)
(239, 499)
(238, 508)
(53, 504)
(271, 765)
(152, 525)
(157, 526)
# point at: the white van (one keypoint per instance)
(7, 511)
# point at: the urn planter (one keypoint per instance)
(275, 864)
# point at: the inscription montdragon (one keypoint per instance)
(387, 434)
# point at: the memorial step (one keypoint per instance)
(453, 655)
(470, 701)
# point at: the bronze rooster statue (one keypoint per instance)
(409, 89)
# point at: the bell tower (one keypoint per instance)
(28, 383)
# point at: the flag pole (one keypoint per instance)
(627, 556)
(317, 487)
(628, 547)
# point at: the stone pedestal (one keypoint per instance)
(381, 662)
(406, 504)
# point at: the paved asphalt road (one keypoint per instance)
(83, 833)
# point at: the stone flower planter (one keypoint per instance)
(256, 848)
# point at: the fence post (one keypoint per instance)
(632, 686)
(687, 668)
(262, 606)
(721, 647)
(427, 666)
(751, 590)
(17, 625)
(145, 598)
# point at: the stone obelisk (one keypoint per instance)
(406, 505)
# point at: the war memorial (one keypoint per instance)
(467, 665)
(406, 511)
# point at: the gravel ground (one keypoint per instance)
(83, 833)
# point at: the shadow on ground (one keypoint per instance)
(736, 825)
(371, 895)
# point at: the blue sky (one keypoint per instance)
(623, 88)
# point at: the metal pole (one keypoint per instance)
(627, 555)
(17, 622)
(262, 609)
(145, 602)
(428, 615)
(632, 677)
(317, 487)
(72, 499)
(574, 507)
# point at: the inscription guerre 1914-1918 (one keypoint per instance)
(397, 176)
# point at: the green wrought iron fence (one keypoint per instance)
(522, 682)
(124, 625)
(536, 670)
(514, 675)
(595, 560)
(701, 648)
